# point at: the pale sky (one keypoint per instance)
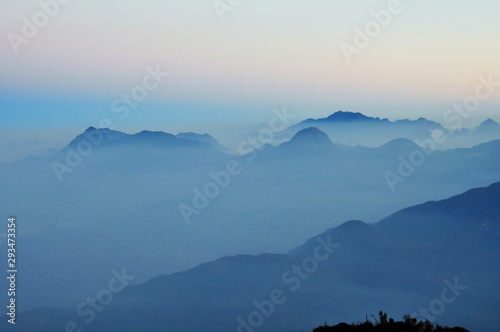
(264, 54)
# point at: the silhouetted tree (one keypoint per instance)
(409, 324)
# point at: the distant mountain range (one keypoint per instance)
(107, 137)
(126, 188)
(357, 129)
(344, 128)
(401, 264)
(110, 200)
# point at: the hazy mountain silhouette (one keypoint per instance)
(205, 138)
(486, 131)
(310, 141)
(399, 144)
(144, 138)
(353, 129)
(357, 129)
(129, 187)
(400, 264)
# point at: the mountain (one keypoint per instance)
(105, 137)
(104, 169)
(467, 137)
(146, 151)
(400, 144)
(205, 138)
(402, 264)
(477, 209)
(354, 129)
(140, 186)
(489, 126)
(309, 141)
(341, 116)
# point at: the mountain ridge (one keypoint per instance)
(240, 279)
(102, 137)
(354, 128)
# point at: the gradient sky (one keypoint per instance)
(226, 74)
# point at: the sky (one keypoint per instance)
(224, 75)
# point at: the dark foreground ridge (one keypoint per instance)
(382, 324)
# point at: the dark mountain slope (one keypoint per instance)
(348, 271)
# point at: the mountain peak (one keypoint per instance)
(197, 137)
(104, 131)
(353, 225)
(98, 134)
(204, 138)
(490, 128)
(311, 135)
(148, 133)
(192, 134)
(309, 141)
(146, 137)
(399, 144)
(489, 123)
(348, 116)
